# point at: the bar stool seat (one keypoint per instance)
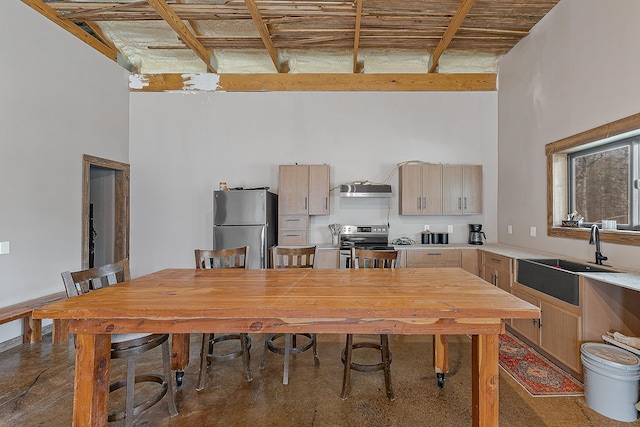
(362, 258)
(215, 259)
(298, 257)
(126, 346)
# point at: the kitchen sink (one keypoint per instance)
(555, 277)
(576, 267)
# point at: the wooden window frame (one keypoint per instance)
(558, 185)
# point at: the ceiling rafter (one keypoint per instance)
(183, 32)
(264, 33)
(450, 32)
(44, 9)
(356, 38)
(198, 33)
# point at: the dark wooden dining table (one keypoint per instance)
(438, 301)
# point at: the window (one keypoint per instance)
(601, 183)
(597, 174)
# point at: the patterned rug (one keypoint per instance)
(533, 372)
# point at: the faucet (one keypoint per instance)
(594, 239)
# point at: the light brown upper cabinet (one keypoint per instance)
(303, 189)
(461, 189)
(421, 189)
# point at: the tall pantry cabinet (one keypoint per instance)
(303, 191)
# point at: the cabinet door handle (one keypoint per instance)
(465, 203)
(293, 220)
(495, 260)
(326, 203)
(305, 203)
(434, 254)
(419, 204)
(424, 203)
(459, 202)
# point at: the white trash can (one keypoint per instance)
(611, 377)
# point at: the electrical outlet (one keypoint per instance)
(510, 229)
(426, 228)
(532, 232)
(450, 228)
(4, 248)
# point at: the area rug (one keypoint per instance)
(533, 372)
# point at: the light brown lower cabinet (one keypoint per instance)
(496, 269)
(558, 332)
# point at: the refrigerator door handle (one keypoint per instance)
(263, 249)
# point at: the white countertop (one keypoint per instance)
(627, 279)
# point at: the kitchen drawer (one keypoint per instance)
(292, 237)
(431, 258)
(497, 262)
(293, 222)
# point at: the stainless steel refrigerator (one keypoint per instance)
(246, 218)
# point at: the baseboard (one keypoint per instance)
(15, 342)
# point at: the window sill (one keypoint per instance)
(622, 237)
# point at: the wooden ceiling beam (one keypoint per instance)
(44, 9)
(356, 38)
(183, 32)
(264, 82)
(451, 30)
(198, 33)
(264, 33)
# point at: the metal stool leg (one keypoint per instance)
(206, 339)
(346, 379)
(287, 351)
(129, 399)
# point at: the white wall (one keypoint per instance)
(182, 145)
(578, 69)
(59, 99)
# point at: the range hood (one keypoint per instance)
(365, 190)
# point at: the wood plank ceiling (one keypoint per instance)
(303, 44)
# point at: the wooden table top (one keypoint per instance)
(183, 294)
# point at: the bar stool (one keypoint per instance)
(126, 345)
(362, 258)
(299, 257)
(222, 258)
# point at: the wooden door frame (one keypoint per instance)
(122, 206)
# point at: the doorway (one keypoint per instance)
(105, 211)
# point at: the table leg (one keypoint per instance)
(91, 390)
(179, 355)
(441, 357)
(484, 378)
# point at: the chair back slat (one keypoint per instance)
(222, 258)
(83, 281)
(364, 258)
(302, 257)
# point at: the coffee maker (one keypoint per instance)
(476, 234)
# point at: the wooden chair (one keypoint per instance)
(126, 345)
(300, 257)
(222, 258)
(362, 258)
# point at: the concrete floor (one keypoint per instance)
(37, 390)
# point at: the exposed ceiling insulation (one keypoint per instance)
(300, 36)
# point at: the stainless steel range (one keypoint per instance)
(373, 237)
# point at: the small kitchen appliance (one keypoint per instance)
(476, 234)
(372, 237)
